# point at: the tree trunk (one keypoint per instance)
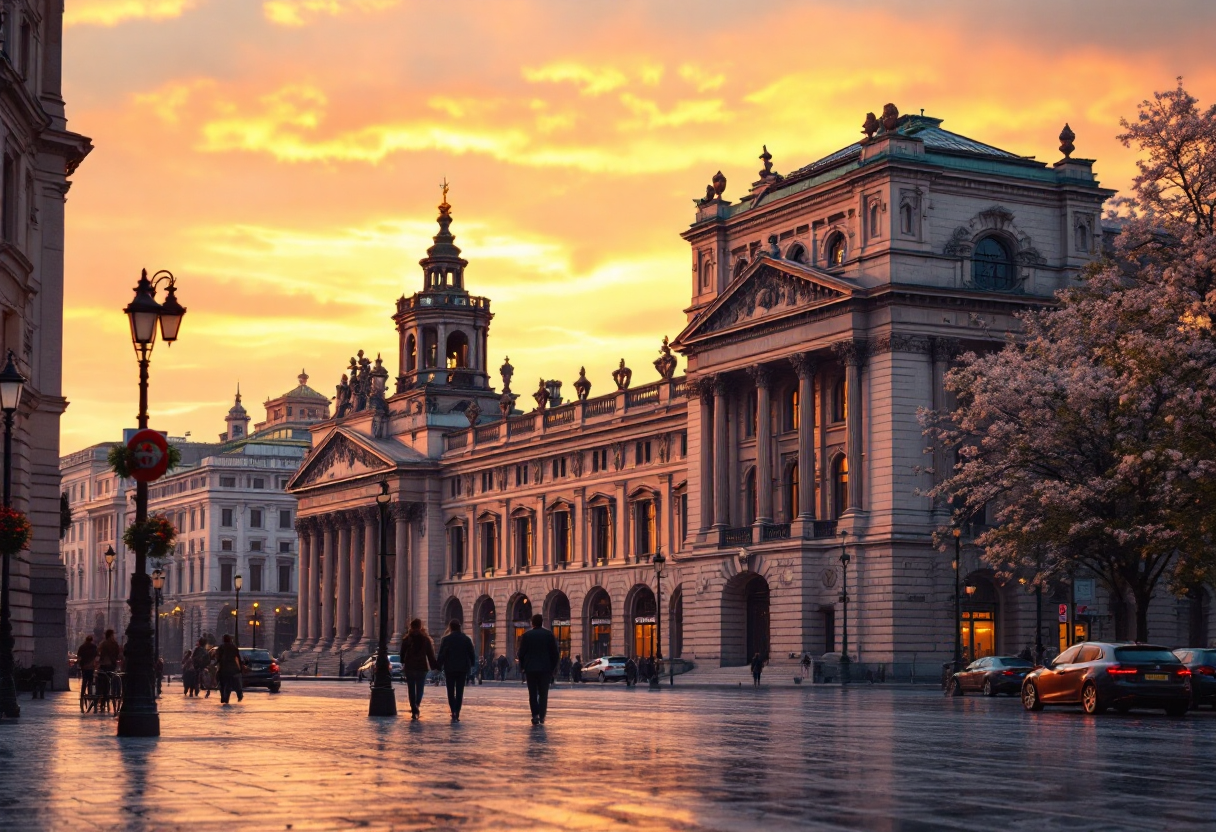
(1142, 600)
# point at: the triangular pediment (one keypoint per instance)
(770, 287)
(340, 457)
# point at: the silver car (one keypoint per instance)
(367, 670)
(605, 668)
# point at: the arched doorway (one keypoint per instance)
(485, 617)
(599, 624)
(557, 607)
(453, 610)
(979, 617)
(675, 626)
(642, 616)
(745, 619)
(521, 617)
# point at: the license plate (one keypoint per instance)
(1156, 677)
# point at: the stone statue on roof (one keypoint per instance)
(342, 400)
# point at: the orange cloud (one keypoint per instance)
(113, 12)
(302, 12)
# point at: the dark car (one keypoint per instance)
(992, 675)
(260, 670)
(1201, 661)
(1098, 676)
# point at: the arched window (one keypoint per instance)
(749, 499)
(707, 276)
(791, 490)
(840, 401)
(875, 229)
(836, 250)
(797, 253)
(411, 354)
(992, 267)
(840, 486)
(791, 416)
(905, 219)
(458, 350)
(430, 348)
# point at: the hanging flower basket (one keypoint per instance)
(122, 460)
(15, 531)
(155, 537)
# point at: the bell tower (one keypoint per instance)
(237, 419)
(443, 330)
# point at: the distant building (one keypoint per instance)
(233, 517)
(39, 154)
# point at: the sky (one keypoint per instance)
(283, 159)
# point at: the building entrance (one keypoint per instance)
(486, 628)
(521, 618)
(757, 617)
(644, 618)
(599, 626)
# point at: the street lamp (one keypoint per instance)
(254, 623)
(110, 556)
(383, 701)
(158, 583)
(237, 582)
(658, 562)
(845, 661)
(958, 601)
(11, 385)
(137, 716)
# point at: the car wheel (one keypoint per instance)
(956, 687)
(602, 677)
(1090, 702)
(274, 688)
(1030, 697)
(988, 691)
(1178, 709)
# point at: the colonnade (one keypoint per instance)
(339, 567)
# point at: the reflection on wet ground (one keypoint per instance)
(894, 760)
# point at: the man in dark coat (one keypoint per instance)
(86, 657)
(228, 670)
(538, 658)
(631, 672)
(456, 658)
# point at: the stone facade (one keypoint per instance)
(39, 154)
(827, 305)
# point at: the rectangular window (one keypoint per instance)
(226, 570)
(644, 525)
(285, 518)
(192, 576)
(595, 462)
(561, 537)
(523, 542)
(683, 518)
(225, 545)
(684, 444)
(284, 547)
(227, 482)
(226, 518)
(489, 546)
(555, 469)
(193, 519)
(601, 528)
(258, 482)
(255, 577)
(255, 545)
(202, 518)
(456, 538)
(284, 577)
(255, 518)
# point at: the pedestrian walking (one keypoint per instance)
(806, 665)
(109, 654)
(86, 657)
(189, 675)
(631, 672)
(576, 669)
(228, 670)
(201, 659)
(456, 658)
(648, 668)
(538, 658)
(503, 664)
(417, 659)
(757, 669)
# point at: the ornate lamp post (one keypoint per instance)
(659, 563)
(110, 556)
(255, 621)
(12, 383)
(237, 582)
(958, 601)
(383, 701)
(158, 583)
(846, 663)
(138, 716)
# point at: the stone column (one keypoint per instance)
(764, 444)
(721, 453)
(705, 399)
(302, 584)
(853, 354)
(357, 557)
(329, 562)
(343, 555)
(401, 587)
(621, 550)
(371, 575)
(541, 536)
(805, 367)
(314, 582)
(579, 530)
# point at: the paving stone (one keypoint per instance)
(889, 760)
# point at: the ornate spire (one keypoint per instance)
(303, 377)
(443, 266)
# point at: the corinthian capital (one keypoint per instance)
(760, 375)
(851, 353)
(804, 365)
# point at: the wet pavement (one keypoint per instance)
(894, 760)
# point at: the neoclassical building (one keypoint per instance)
(826, 305)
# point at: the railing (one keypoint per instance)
(821, 528)
(523, 424)
(776, 531)
(736, 537)
(600, 407)
(560, 416)
(679, 387)
(643, 395)
(489, 433)
(457, 440)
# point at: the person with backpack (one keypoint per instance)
(456, 658)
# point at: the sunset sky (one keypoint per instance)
(283, 159)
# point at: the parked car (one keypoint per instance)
(260, 670)
(604, 669)
(992, 675)
(1201, 661)
(368, 669)
(1098, 676)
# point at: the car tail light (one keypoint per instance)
(1204, 670)
(1120, 670)
(274, 667)
(1184, 672)
(1010, 673)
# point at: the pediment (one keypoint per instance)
(339, 457)
(771, 287)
